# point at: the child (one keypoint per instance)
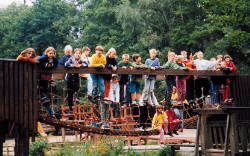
(48, 60)
(160, 122)
(67, 54)
(73, 80)
(85, 57)
(111, 64)
(114, 93)
(180, 82)
(202, 81)
(148, 93)
(173, 121)
(135, 84)
(27, 55)
(98, 60)
(227, 66)
(170, 79)
(125, 79)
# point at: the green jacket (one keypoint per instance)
(173, 65)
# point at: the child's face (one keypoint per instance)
(86, 52)
(152, 54)
(212, 59)
(171, 57)
(227, 59)
(200, 55)
(112, 54)
(28, 54)
(184, 54)
(51, 54)
(77, 55)
(138, 60)
(125, 59)
(98, 52)
(219, 57)
(159, 110)
(115, 80)
(68, 52)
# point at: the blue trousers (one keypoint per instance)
(98, 84)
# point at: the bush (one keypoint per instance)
(37, 148)
(166, 151)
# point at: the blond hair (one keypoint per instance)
(110, 51)
(50, 49)
(125, 55)
(153, 51)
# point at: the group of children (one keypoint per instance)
(128, 88)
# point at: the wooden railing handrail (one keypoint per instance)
(91, 70)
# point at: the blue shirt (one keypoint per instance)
(63, 60)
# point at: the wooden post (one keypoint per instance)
(2, 138)
(197, 136)
(21, 142)
(63, 134)
(234, 141)
(203, 133)
(227, 135)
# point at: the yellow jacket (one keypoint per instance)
(97, 61)
(158, 119)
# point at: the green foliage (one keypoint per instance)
(130, 26)
(166, 151)
(38, 147)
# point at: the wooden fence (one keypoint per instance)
(18, 103)
(19, 99)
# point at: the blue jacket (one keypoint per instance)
(152, 63)
(63, 60)
(44, 61)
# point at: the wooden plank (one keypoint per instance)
(2, 90)
(36, 106)
(61, 69)
(203, 134)
(197, 136)
(227, 135)
(215, 137)
(21, 142)
(11, 91)
(26, 96)
(244, 137)
(234, 135)
(30, 104)
(16, 94)
(221, 134)
(7, 91)
(21, 93)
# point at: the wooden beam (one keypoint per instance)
(91, 70)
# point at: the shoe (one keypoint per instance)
(105, 127)
(175, 133)
(180, 130)
(91, 99)
(170, 134)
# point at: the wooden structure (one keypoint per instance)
(19, 99)
(18, 103)
(227, 128)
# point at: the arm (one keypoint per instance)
(98, 63)
(69, 63)
(154, 122)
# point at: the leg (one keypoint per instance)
(89, 85)
(146, 90)
(101, 85)
(107, 88)
(170, 81)
(198, 88)
(161, 135)
(70, 90)
(94, 84)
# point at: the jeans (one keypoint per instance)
(89, 85)
(98, 84)
(179, 112)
